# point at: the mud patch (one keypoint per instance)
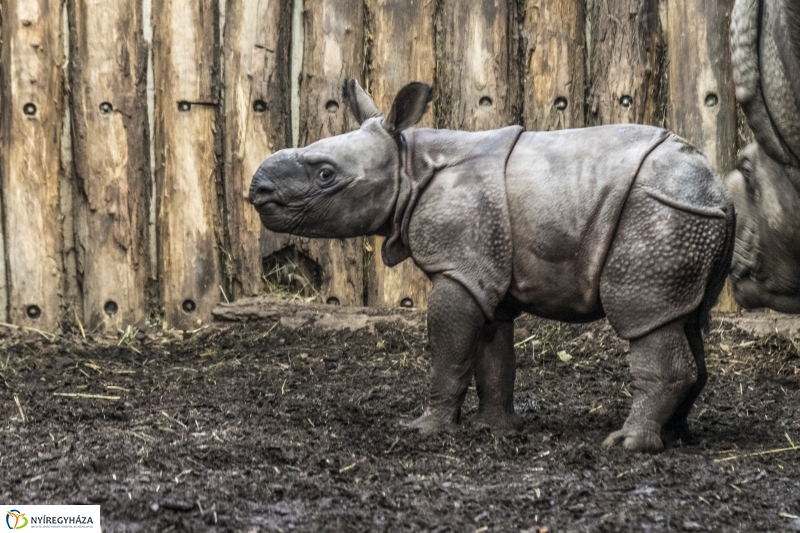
(266, 428)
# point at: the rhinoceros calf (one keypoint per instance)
(626, 221)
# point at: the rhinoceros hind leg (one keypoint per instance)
(665, 378)
(677, 426)
(495, 372)
(455, 321)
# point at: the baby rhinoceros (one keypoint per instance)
(628, 222)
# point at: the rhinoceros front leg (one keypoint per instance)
(495, 372)
(665, 383)
(455, 322)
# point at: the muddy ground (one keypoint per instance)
(266, 428)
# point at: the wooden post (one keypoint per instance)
(186, 103)
(626, 55)
(32, 60)
(333, 50)
(3, 274)
(555, 64)
(402, 51)
(108, 71)
(257, 123)
(477, 65)
(702, 103)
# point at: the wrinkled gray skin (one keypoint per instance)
(765, 46)
(627, 222)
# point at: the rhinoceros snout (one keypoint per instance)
(281, 165)
(261, 188)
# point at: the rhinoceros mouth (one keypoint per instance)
(267, 204)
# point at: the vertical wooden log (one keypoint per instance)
(32, 59)
(477, 65)
(401, 36)
(702, 103)
(3, 274)
(108, 71)
(186, 98)
(332, 51)
(554, 56)
(257, 123)
(625, 62)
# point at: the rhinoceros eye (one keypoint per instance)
(745, 167)
(325, 176)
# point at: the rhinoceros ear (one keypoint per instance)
(359, 101)
(408, 107)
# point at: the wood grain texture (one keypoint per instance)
(257, 124)
(554, 44)
(186, 104)
(702, 103)
(3, 273)
(333, 50)
(30, 148)
(626, 57)
(319, 316)
(108, 71)
(401, 38)
(478, 80)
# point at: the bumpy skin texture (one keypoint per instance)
(624, 221)
(765, 46)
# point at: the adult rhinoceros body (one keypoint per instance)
(625, 221)
(765, 42)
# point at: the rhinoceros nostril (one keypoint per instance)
(265, 188)
(260, 189)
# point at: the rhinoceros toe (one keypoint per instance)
(431, 421)
(635, 439)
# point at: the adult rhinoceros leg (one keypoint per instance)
(455, 322)
(664, 375)
(495, 371)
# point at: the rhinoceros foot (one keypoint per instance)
(498, 421)
(674, 431)
(432, 421)
(637, 439)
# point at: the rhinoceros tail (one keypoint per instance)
(719, 271)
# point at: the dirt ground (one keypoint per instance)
(266, 428)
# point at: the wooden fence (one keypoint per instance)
(130, 130)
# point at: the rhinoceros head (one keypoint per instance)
(342, 186)
(765, 46)
(766, 255)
